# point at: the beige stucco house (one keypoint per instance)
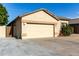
(38, 24)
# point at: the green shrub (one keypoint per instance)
(66, 30)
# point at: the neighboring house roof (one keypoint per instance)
(74, 21)
(63, 18)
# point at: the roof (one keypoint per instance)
(46, 11)
(63, 18)
(74, 21)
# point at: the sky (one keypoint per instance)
(70, 10)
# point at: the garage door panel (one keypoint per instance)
(38, 30)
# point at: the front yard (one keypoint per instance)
(61, 46)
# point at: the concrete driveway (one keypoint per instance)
(65, 46)
(61, 46)
(14, 47)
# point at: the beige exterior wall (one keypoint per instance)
(57, 28)
(39, 17)
(36, 31)
(2, 31)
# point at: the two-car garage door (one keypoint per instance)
(37, 30)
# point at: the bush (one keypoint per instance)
(66, 30)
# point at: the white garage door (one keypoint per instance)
(38, 31)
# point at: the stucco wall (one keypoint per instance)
(2, 31)
(39, 17)
(57, 28)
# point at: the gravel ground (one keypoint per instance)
(13, 47)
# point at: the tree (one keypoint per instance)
(3, 15)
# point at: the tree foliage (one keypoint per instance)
(3, 15)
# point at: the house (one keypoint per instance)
(38, 24)
(75, 24)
